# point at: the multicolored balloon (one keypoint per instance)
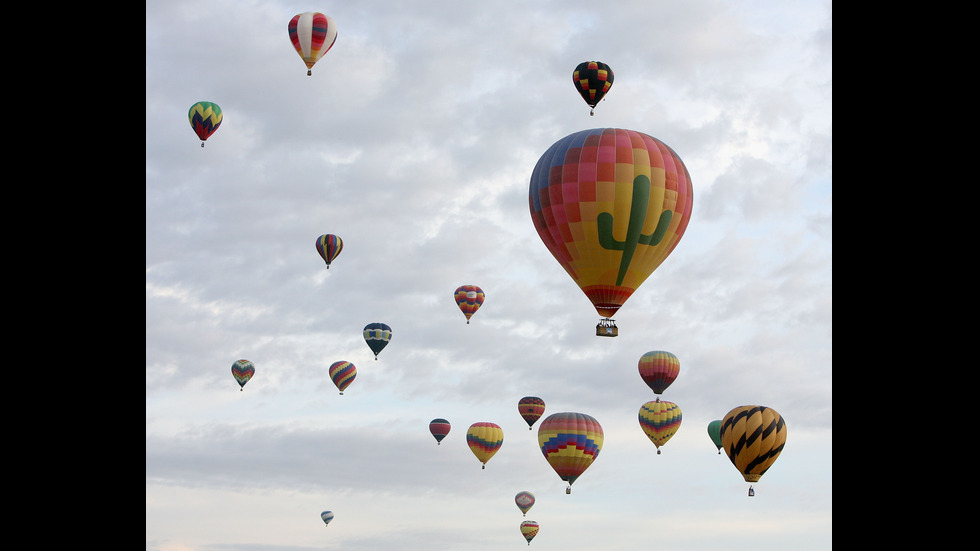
(439, 428)
(570, 443)
(529, 529)
(531, 409)
(660, 421)
(242, 371)
(329, 246)
(484, 440)
(714, 433)
(377, 336)
(312, 34)
(658, 369)
(342, 373)
(610, 204)
(205, 117)
(753, 437)
(524, 501)
(592, 79)
(326, 517)
(469, 298)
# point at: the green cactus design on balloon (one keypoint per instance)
(634, 237)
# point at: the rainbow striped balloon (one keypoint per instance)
(524, 501)
(484, 439)
(342, 373)
(312, 34)
(328, 246)
(658, 369)
(531, 409)
(660, 421)
(242, 371)
(570, 443)
(469, 298)
(529, 529)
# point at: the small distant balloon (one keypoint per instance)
(242, 371)
(484, 439)
(658, 369)
(377, 336)
(205, 117)
(529, 529)
(312, 34)
(469, 298)
(326, 517)
(524, 501)
(592, 79)
(714, 432)
(329, 246)
(439, 428)
(660, 421)
(342, 373)
(531, 409)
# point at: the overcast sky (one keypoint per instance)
(414, 141)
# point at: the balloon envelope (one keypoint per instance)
(329, 246)
(524, 501)
(660, 421)
(342, 374)
(469, 298)
(570, 443)
(592, 79)
(205, 117)
(531, 409)
(312, 34)
(326, 517)
(753, 437)
(714, 432)
(242, 371)
(658, 369)
(484, 440)
(377, 336)
(439, 428)
(610, 205)
(529, 529)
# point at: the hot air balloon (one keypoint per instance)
(377, 336)
(242, 371)
(524, 501)
(610, 205)
(342, 373)
(753, 437)
(326, 516)
(312, 34)
(570, 442)
(531, 409)
(439, 428)
(469, 298)
(592, 79)
(658, 369)
(714, 432)
(660, 421)
(529, 529)
(329, 246)
(484, 440)
(205, 118)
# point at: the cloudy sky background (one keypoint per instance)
(414, 140)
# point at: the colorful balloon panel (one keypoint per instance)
(570, 443)
(342, 374)
(205, 118)
(610, 205)
(524, 501)
(469, 298)
(328, 246)
(242, 371)
(753, 437)
(531, 409)
(529, 529)
(326, 517)
(439, 428)
(377, 335)
(592, 79)
(312, 34)
(660, 421)
(714, 433)
(658, 369)
(484, 440)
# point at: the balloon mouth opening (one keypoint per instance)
(752, 477)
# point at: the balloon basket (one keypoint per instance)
(606, 328)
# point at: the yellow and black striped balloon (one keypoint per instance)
(753, 437)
